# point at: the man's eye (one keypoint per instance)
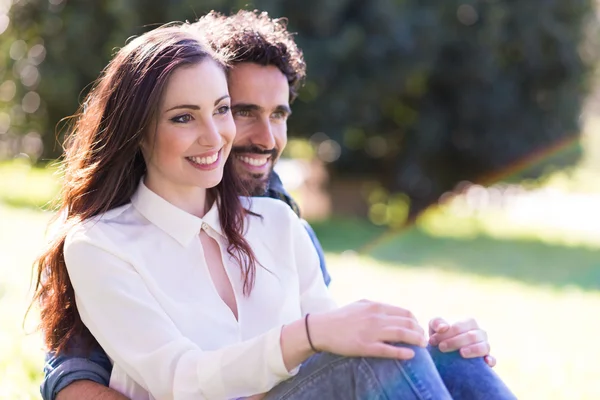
(242, 113)
(182, 119)
(223, 110)
(279, 115)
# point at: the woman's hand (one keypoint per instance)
(367, 329)
(465, 336)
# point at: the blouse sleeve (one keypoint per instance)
(124, 317)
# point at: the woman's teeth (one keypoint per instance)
(205, 160)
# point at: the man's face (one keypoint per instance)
(260, 106)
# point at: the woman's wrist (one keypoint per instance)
(318, 325)
(310, 342)
(295, 347)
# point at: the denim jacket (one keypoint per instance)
(75, 364)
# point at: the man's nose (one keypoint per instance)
(263, 136)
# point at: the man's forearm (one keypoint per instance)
(90, 391)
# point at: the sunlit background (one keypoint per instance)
(447, 156)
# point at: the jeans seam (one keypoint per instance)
(311, 378)
(418, 388)
(412, 378)
(374, 375)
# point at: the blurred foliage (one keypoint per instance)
(419, 95)
(425, 95)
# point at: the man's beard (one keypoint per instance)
(256, 184)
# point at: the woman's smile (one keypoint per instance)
(206, 161)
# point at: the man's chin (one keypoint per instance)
(256, 185)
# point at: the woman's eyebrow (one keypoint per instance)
(195, 107)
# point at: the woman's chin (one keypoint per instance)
(209, 182)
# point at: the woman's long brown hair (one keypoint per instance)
(103, 166)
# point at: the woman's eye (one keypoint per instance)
(223, 110)
(182, 119)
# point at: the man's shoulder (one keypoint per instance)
(278, 192)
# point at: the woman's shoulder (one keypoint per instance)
(97, 240)
(95, 229)
(268, 207)
(270, 214)
(273, 224)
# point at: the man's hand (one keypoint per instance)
(465, 336)
(88, 390)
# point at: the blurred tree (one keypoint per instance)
(424, 95)
(419, 95)
(75, 40)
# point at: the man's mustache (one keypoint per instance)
(254, 150)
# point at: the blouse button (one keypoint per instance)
(205, 226)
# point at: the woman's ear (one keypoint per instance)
(145, 146)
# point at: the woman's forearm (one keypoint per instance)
(295, 347)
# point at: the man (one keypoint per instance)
(267, 70)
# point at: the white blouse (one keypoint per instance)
(143, 289)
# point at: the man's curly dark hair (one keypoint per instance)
(252, 36)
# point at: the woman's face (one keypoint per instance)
(187, 145)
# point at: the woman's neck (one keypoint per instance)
(191, 199)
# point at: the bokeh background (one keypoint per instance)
(446, 153)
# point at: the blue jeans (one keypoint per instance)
(430, 375)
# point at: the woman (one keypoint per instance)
(180, 280)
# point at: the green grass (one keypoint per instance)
(21, 237)
(543, 334)
(528, 261)
(535, 292)
(339, 235)
(545, 338)
(22, 185)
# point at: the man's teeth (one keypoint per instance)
(257, 162)
(205, 160)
